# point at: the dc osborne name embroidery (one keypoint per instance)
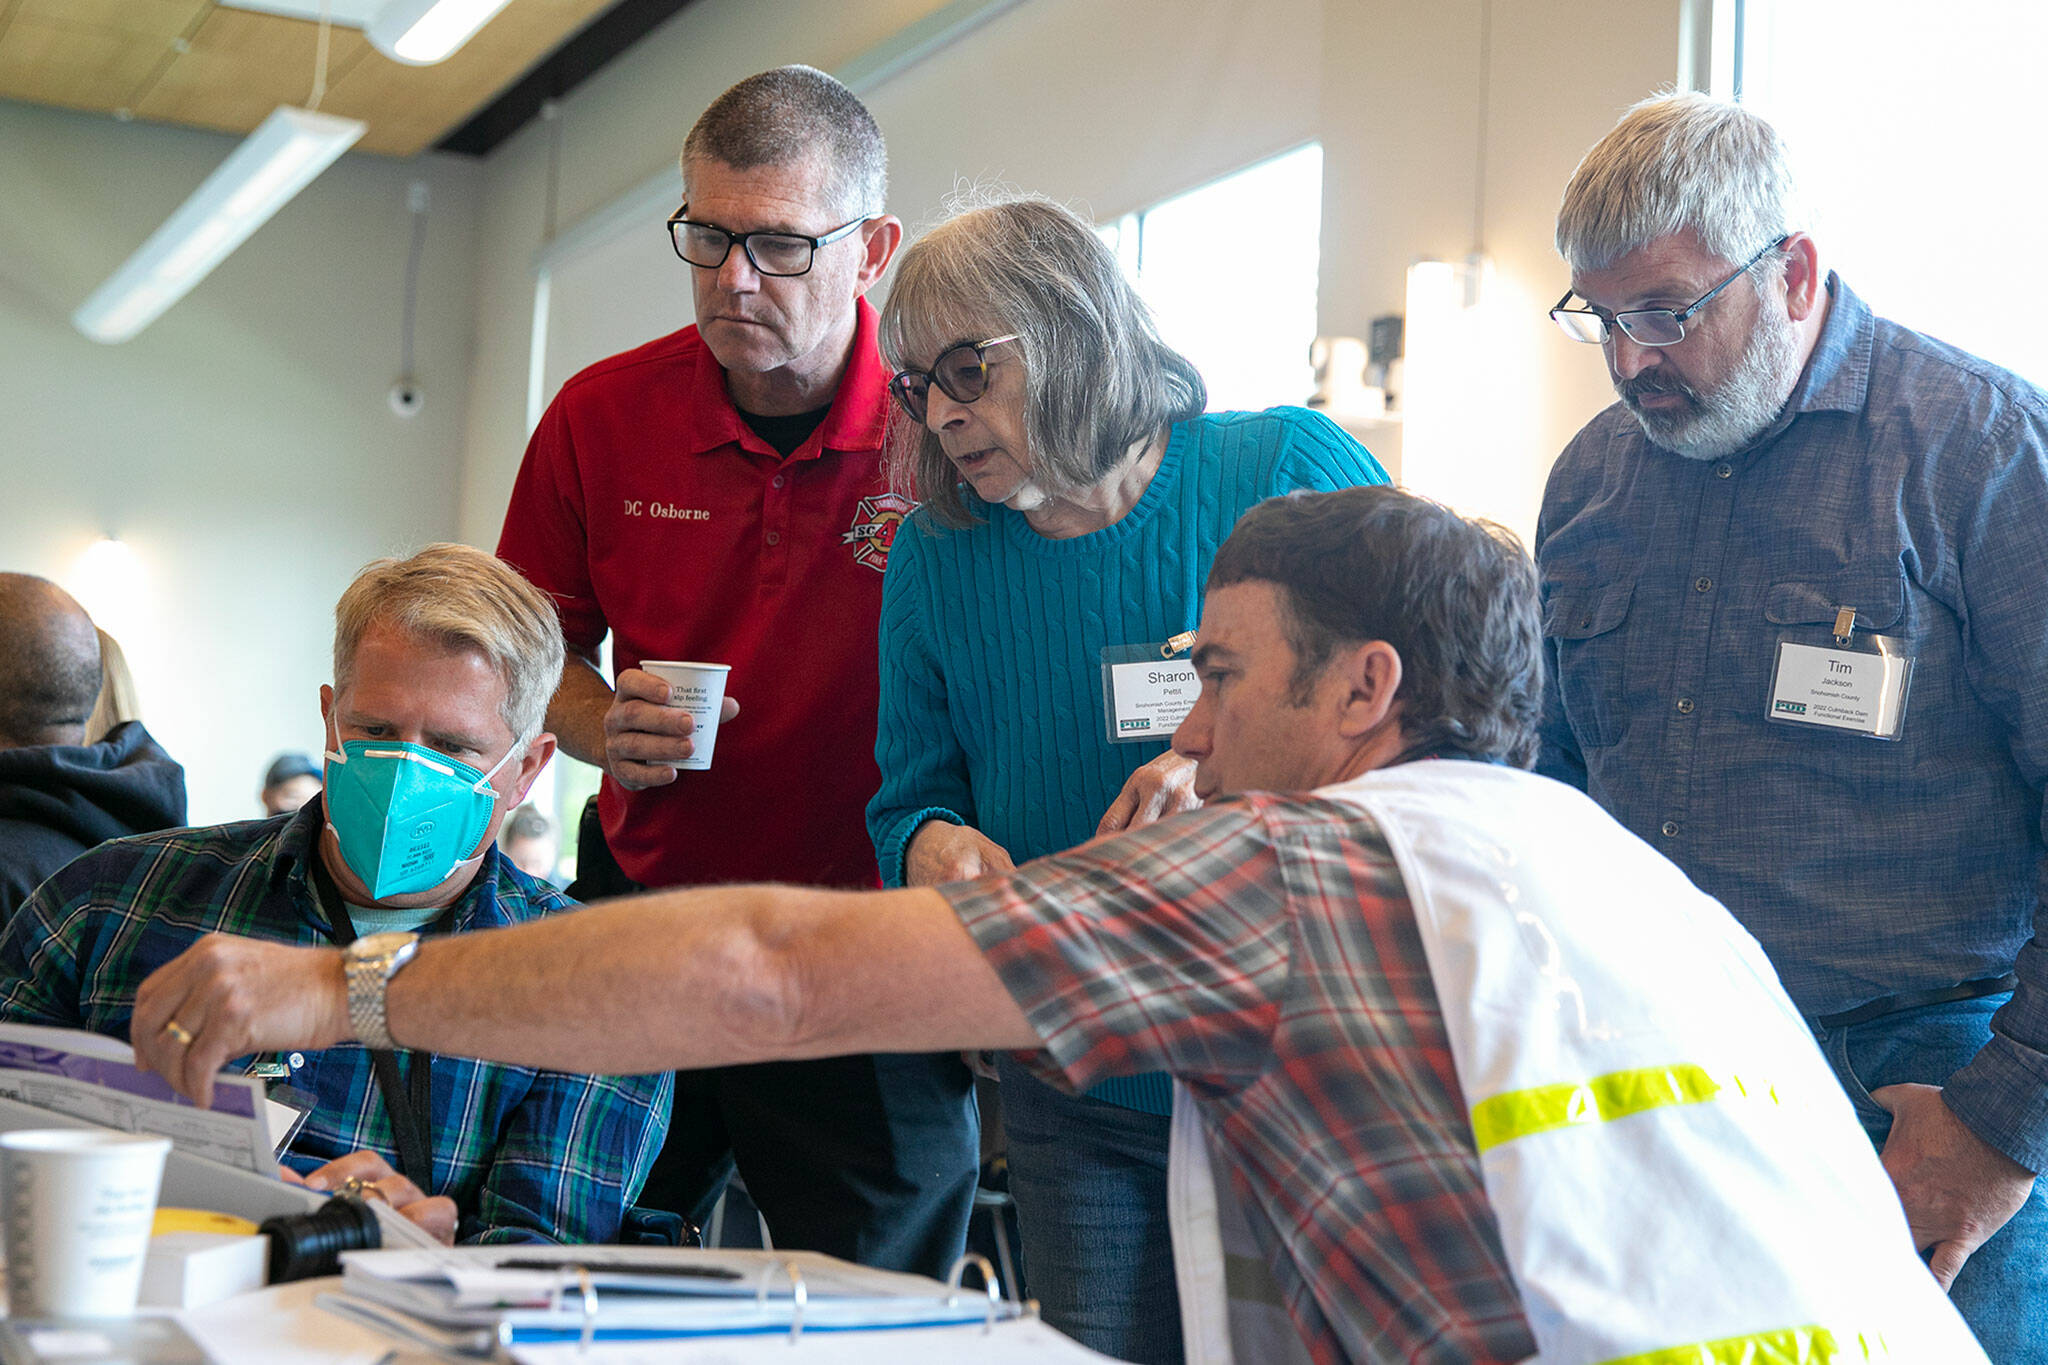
(875, 523)
(639, 507)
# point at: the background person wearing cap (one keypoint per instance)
(291, 780)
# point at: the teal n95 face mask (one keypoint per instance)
(406, 816)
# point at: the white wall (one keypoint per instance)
(1400, 128)
(242, 445)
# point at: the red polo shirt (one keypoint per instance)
(646, 506)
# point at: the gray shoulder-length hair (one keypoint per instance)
(1097, 378)
(1678, 162)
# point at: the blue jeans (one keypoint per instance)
(1089, 1179)
(2002, 1291)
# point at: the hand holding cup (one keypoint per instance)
(662, 720)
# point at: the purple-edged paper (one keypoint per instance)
(121, 1076)
(85, 1076)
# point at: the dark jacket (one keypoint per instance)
(58, 800)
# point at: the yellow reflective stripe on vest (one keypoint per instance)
(1519, 1113)
(1789, 1346)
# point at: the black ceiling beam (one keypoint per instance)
(567, 67)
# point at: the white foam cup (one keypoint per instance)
(78, 1204)
(700, 690)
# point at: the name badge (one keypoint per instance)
(1146, 691)
(1857, 686)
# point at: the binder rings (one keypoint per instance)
(475, 1300)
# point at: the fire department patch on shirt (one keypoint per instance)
(875, 523)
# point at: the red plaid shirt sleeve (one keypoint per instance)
(1165, 949)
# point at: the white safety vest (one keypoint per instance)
(1678, 1177)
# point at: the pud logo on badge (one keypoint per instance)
(875, 523)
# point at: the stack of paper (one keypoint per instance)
(85, 1076)
(475, 1299)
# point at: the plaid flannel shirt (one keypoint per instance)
(526, 1155)
(1264, 951)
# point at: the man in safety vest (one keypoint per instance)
(1488, 1075)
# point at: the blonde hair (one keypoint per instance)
(461, 598)
(119, 700)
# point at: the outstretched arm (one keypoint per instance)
(671, 980)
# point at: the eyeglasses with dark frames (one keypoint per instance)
(778, 254)
(1644, 326)
(961, 372)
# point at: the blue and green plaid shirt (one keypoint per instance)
(526, 1155)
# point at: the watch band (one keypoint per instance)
(370, 963)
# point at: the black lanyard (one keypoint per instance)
(408, 1104)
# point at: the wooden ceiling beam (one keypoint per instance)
(197, 63)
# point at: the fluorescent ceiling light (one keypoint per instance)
(422, 32)
(273, 163)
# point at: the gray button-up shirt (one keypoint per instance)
(1908, 481)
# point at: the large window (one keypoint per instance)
(1229, 271)
(1918, 131)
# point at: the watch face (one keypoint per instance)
(377, 945)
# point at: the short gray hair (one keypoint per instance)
(1678, 162)
(458, 597)
(790, 116)
(1097, 377)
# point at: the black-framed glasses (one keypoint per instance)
(771, 253)
(1644, 326)
(961, 372)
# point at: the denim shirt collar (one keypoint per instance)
(1837, 377)
(1837, 374)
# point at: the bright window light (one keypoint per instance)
(111, 582)
(1246, 321)
(1927, 197)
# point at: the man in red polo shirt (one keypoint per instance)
(717, 495)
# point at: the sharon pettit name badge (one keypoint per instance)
(1857, 685)
(1146, 691)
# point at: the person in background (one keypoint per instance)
(717, 495)
(1074, 494)
(528, 839)
(443, 665)
(1442, 1154)
(60, 792)
(1795, 505)
(291, 780)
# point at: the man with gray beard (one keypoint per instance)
(1795, 600)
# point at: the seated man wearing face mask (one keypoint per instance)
(443, 666)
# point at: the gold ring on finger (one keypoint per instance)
(181, 1034)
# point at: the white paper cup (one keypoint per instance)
(700, 690)
(78, 1204)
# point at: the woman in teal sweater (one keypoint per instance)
(1074, 493)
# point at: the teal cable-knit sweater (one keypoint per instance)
(992, 638)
